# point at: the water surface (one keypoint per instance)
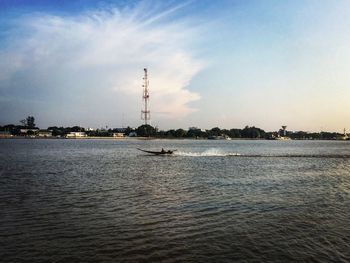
(213, 201)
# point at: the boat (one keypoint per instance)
(162, 152)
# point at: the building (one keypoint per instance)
(44, 133)
(29, 131)
(74, 135)
(5, 134)
(118, 135)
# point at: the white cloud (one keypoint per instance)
(105, 50)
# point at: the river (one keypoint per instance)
(212, 201)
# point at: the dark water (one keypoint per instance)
(214, 201)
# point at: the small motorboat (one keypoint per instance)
(158, 152)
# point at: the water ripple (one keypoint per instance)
(99, 201)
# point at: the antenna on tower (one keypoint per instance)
(145, 112)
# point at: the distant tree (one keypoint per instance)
(225, 132)
(30, 122)
(8, 127)
(30, 132)
(23, 122)
(128, 130)
(161, 134)
(179, 133)
(329, 135)
(235, 133)
(77, 129)
(253, 132)
(146, 131)
(299, 135)
(214, 132)
(195, 133)
(100, 133)
(57, 131)
(170, 133)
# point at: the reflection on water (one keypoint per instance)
(213, 201)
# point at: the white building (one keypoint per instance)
(25, 131)
(74, 135)
(45, 133)
(118, 135)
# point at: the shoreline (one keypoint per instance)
(153, 138)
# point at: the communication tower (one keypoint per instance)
(145, 112)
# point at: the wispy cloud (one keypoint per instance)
(100, 54)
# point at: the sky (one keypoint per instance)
(225, 63)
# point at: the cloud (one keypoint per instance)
(85, 59)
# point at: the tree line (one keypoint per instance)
(149, 131)
(246, 133)
(27, 123)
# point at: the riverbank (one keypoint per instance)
(155, 138)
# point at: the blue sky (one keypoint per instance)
(211, 63)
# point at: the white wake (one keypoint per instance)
(209, 152)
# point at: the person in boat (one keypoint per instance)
(162, 151)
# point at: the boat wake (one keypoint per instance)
(207, 153)
(219, 153)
